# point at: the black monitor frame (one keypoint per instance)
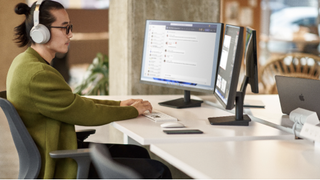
(186, 101)
(234, 97)
(251, 59)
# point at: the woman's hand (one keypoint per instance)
(129, 102)
(141, 105)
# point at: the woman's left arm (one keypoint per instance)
(105, 102)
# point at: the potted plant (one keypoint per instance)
(96, 78)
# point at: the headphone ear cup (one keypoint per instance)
(40, 34)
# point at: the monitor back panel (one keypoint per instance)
(298, 92)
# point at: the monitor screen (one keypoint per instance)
(229, 66)
(181, 55)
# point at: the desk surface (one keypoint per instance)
(145, 132)
(271, 159)
(272, 114)
(222, 151)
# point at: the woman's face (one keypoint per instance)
(60, 40)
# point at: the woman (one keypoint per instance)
(46, 103)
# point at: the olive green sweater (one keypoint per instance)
(50, 110)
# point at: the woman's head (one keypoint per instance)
(46, 18)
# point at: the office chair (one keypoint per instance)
(294, 64)
(29, 156)
(107, 168)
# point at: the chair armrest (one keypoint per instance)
(84, 134)
(81, 156)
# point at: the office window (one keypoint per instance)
(293, 26)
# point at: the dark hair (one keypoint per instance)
(22, 32)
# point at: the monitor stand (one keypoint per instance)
(239, 119)
(185, 102)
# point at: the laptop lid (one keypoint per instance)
(297, 92)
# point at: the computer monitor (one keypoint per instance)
(181, 55)
(251, 59)
(228, 75)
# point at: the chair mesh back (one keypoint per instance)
(29, 156)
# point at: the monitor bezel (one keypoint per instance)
(220, 26)
(235, 71)
(251, 59)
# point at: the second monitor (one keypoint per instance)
(181, 55)
(228, 74)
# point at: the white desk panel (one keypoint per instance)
(272, 111)
(145, 132)
(271, 115)
(273, 159)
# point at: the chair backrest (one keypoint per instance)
(29, 156)
(294, 64)
(106, 167)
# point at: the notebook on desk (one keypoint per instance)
(298, 92)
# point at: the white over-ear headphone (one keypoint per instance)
(39, 32)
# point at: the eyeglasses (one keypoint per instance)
(68, 27)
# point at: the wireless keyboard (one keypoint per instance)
(157, 116)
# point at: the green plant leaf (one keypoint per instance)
(96, 80)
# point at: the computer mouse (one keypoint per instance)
(172, 125)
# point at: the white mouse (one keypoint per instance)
(172, 125)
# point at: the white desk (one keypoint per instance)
(143, 131)
(271, 159)
(272, 114)
(224, 151)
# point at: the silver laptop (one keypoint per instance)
(298, 92)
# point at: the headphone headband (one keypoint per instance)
(36, 13)
(39, 33)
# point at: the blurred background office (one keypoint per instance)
(283, 26)
(115, 29)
